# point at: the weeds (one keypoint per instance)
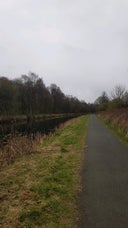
(40, 190)
(117, 120)
(18, 146)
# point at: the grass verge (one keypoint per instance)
(117, 130)
(39, 190)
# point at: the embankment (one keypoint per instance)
(40, 189)
(117, 120)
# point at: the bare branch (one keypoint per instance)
(118, 92)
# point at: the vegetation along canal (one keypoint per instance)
(18, 138)
(31, 126)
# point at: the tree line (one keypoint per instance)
(118, 98)
(28, 95)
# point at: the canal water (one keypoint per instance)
(30, 128)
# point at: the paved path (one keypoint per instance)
(104, 199)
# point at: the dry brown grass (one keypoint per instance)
(18, 145)
(118, 118)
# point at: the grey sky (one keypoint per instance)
(81, 45)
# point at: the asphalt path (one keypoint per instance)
(103, 202)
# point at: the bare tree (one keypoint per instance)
(118, 92)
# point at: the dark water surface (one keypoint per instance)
(31, 127)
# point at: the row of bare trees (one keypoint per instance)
(118, 98)
(28, 95)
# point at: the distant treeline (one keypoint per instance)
(28, 95)
(118, 98)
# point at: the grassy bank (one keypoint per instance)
(117, 121)
(39, 190)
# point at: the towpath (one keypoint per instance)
(103, 202)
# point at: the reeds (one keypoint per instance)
(118, 118)
(19, 145)
(16, 145)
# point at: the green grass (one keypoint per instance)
(40, 190)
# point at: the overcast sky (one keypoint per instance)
(80, 45)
